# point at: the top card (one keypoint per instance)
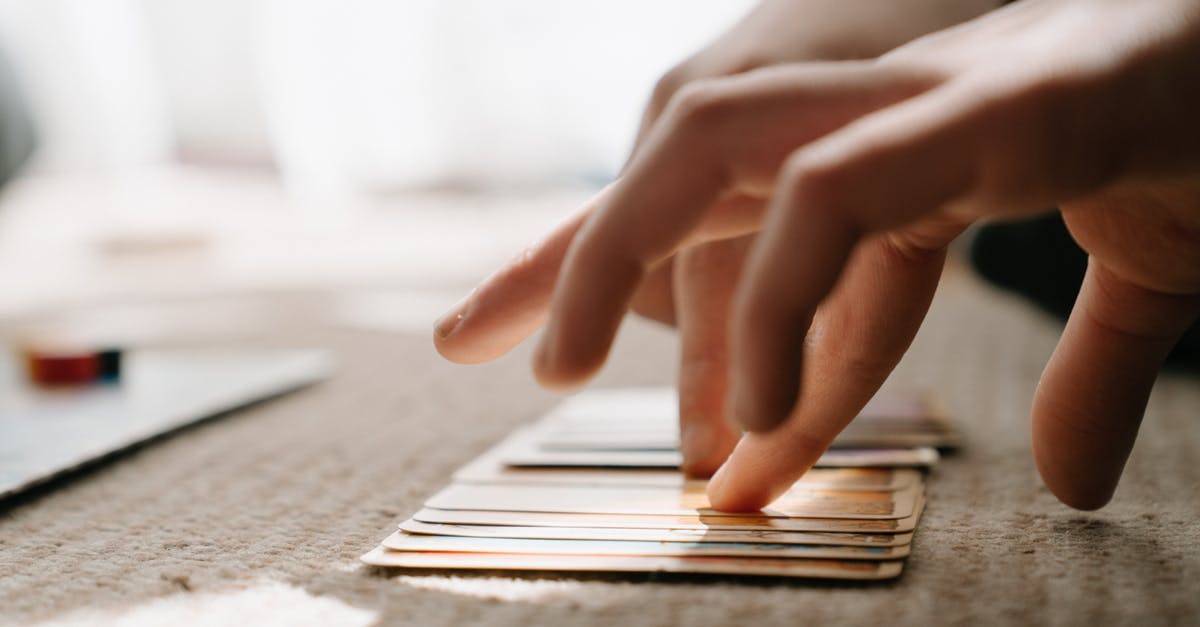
(744, 523)
(522, 449)
(486, 469)
(796, 503)
(646, 419)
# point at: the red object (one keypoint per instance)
(62, 369)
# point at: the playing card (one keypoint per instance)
(402, 541)
(796, 503)
(634, 405)
(659, 535)
(646, 419)
(691, 521)
(854, 436)
(776, 567)
(917, 420)
(922, 457)
(594, 486)
(487, 470)
(522, 449)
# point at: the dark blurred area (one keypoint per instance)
(16, 127)
(1039, 260)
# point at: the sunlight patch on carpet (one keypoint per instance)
(270, 603)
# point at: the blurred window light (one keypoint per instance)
(92, 82)
(351, 97)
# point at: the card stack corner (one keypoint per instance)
(594, 486)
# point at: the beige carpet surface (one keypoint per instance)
(259, 517)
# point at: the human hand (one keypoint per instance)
(868, 170)
(693, 289)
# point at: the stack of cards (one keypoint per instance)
(595, 486)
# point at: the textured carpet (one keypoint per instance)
(260, 517)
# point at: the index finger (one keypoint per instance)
(717, 139)
(510, 304)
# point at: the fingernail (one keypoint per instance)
(450, 321)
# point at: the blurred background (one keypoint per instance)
(191, 149)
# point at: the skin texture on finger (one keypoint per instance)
(706, 276)
(655, 297)
(700, 155)
(1093, 393)
(859, 335)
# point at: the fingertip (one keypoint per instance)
(446, 325)
(463, 337)
(454, 349)
(455, 352)
(451, 352)
(1086, 493)
(724, 500)
(1087, 500)
(474, 346)
(727, 494)
(716, 489)
(1086, 496)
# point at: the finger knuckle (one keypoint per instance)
(1016, 127)
(749, 61)
(912, 247)
(826, 185)
(1038, 135)
(700, 104)
(666, 87)
(818, 180)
